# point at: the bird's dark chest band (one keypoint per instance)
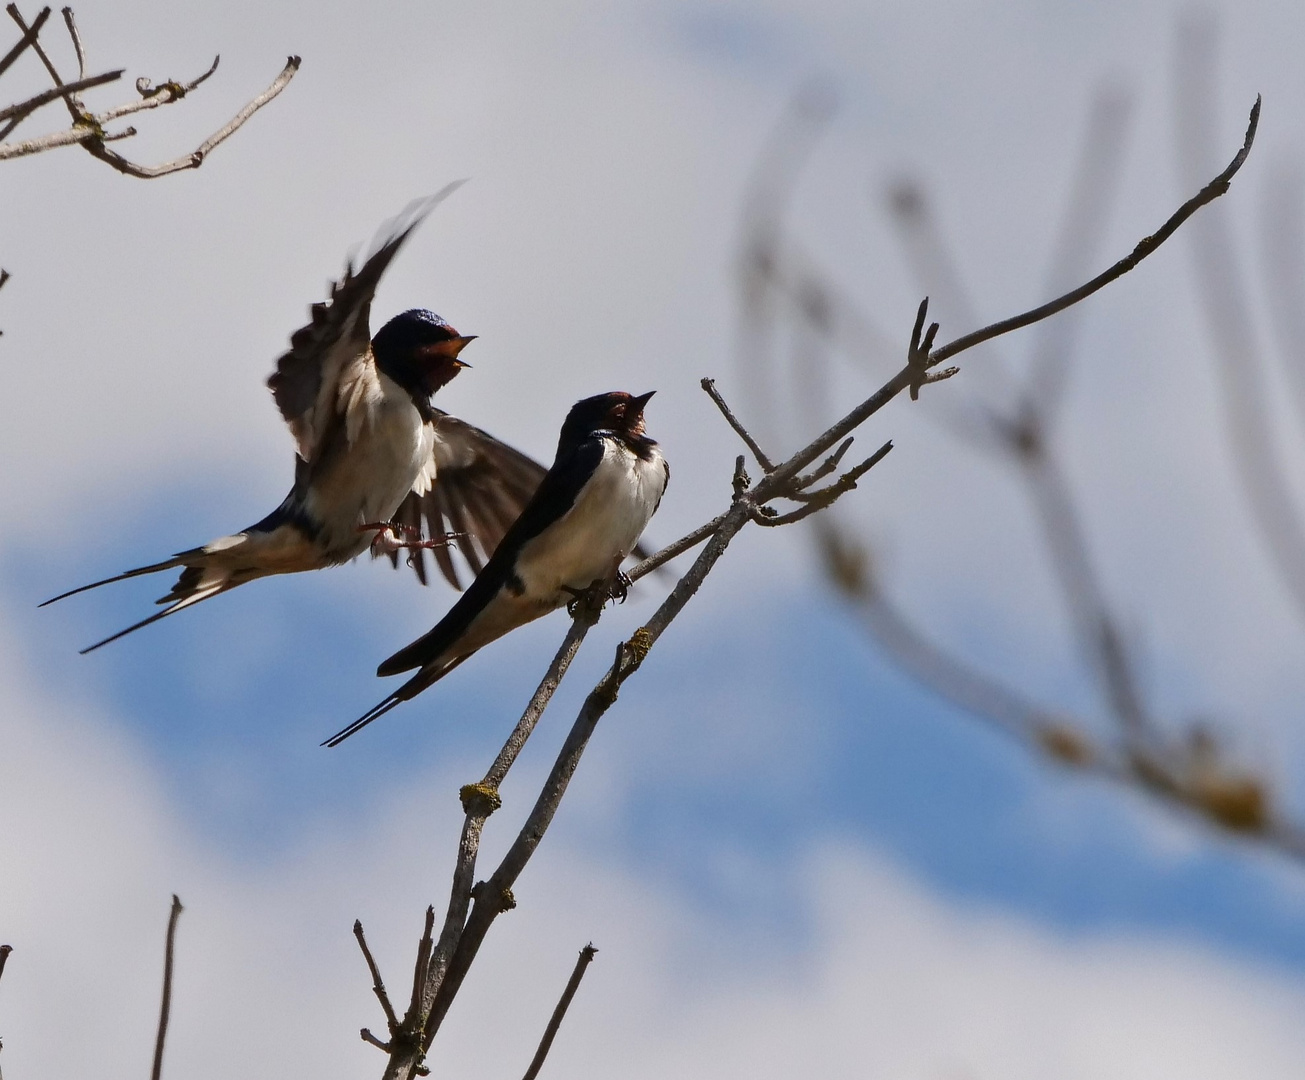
(515, 585)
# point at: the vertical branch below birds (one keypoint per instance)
(573, 984)
(493, 897)
(165, 1007)
(479, 801)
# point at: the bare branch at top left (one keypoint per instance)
(88, 128)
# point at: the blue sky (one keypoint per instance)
(769, 789)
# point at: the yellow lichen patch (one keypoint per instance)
(479, 799)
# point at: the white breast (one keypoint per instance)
(589, 542)
(388, 452)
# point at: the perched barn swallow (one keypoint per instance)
(605, 484)
(374, 457)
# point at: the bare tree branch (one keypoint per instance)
(71, 24)
(88, 128)
(16, 114)
(583, 961)
(710, 386)
(166, 1006)
(1216, 187)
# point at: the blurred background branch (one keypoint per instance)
(1013, 419)
(1235, 338)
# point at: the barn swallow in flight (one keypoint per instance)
(605, 484)
(374, 457)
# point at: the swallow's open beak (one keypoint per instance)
(448, 350)
(443, 357)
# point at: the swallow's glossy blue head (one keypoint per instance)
(617, 412)
(419, 351)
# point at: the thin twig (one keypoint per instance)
(5, 950)
(166, 1007)
(378, 984)
(1216, 187)
(71, 24)
(801, 483)
(774, 482)
(710, 386)
(196, 158)
(573, 984)
(824, 497)
(366, 1035)
(670, 551)
(584, 619)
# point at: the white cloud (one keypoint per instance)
(887, 979)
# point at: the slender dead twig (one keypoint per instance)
(670, 551)
(583, 961)
(165, 1007)
(378, 984)
(1216, 187)
(71, 23)
(710, 386)
(5, 950)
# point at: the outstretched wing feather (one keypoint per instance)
(322, 354)
(481, 486)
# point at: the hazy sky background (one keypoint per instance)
(792, 859)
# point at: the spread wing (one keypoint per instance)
(481, 486)
(328, 353)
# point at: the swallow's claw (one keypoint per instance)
(620, 587)
(391, 536)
